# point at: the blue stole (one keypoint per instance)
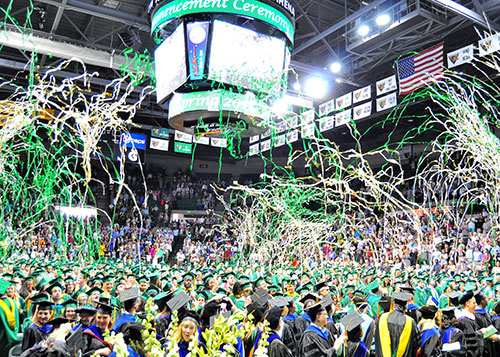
(428, 334)
(273, 337)
(306, 316)
(447, 334)
(96, 331)
(183, 349)
(361, 350)
(480, 311)
(495, 317)
(121, 320)
(318, 331)
(44, 328)
(412, 307)
(290, 317)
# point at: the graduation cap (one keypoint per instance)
(401, 298)
(449, 312)
(43, 305)
(309, 297)
(4, 285)
(70, 303)
(104, 309)
(428, 311)
(314, 310)
(54, 285)
(56, 323)
(327, 301)
(93, 290)
(352, 321)
(152, 290)
(178, 301)
(407, 289)
(274, 316)
(213, 318)
(260, 294)
(87, 309)
(321, 285)
(129, 294)
(278, 301)
(374, 285)
(190, 315)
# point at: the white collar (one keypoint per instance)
(465, 313)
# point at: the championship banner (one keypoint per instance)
(280, 140)
(292, 122)
(161, 133)
(362, 111)
(159, 144)
(307, 117)
(253, 149)
(253, 139)
(386, 85)
(281, 126)
(327, 108)
(265, 145)
(389, 101)
(343, 102)
(266, 134)
(219, 142)
(180, 136)
(292, 136)
(362, 94)
(204, 140)
(326, 123)
(183, 148)
(489, 45)
(308, 130)
(460, 56)
(343, 117)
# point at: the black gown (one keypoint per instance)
(452, 335)
(484, 320)
(431, 346)
(162, 325)
(300, 325)
(34, 335)
(288, 339)
(314, 345)
(93, 340)
(355, 349)
(57, 349)
(396, 323)
(474, 343)
(277, 348)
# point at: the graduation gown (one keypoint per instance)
(58, 349)
(474, 343)
(300, 325)
(355, 349)
(35, 334)
(276, 347)
(122, 319)
(9, 325)
(452, 335)
(431, 343)
(484, 320)
(93, 340)
(316, 343)
(162, 324)
(420, 297)
(395, 324)
(288, 338)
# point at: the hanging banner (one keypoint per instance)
(362, 111)
(387, 102)
(183, 148)
(204, 140)
(292, 136)
(327, 108)
(281, 126)
(308, 130)
(161, 133)
(219, 142)
(343, 117)
(253, 139)
(280, 140)
(197, 34)
(461, 56)
(386, 85)
(180, 136)
(307, 117)
(292, 122)
(489, 45)
(343, 102)
(265, 145)
(362, 94)
(266, 134)
(326, 123)
(159, 144)
(253, 149)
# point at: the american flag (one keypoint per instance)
(419, 70)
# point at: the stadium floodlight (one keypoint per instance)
(363, 30)
(335, 67)
(383, 19)
(316, 87)
(77, 212)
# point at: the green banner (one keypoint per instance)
(158, 132)
(248, 8)
(183, 148)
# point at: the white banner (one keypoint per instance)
(307, 117)
(281, 126)
(489, 45)
(292, 122)
(265, 145)
(343, 102)
(387, 85)
(292, 136)
(461, 56)
(386, 102)
(327, 108)
(158, 144)
(204, 140)
(343, 117)
(180, 136)
(362, 94)
(266, 134)
(219, 142)
(308, 130)
(253, 139)
(280, 140)
(253, 149)
(326, 123)
(362, 111)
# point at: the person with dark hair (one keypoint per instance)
(453, 339)
(128, 300)
(431, 338)
(132, 334)
(236, 297)
(316, 340)
(164, 316)
(304, 320)
(39, 329)
(355, 347)
(276, 346)
(483, 320)
(93, 337)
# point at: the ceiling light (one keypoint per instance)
(363, 30)
(316, 87)
(383, 19)
(297, 86)
(338, 80)
(335, 67)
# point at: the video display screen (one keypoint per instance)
(245, 58)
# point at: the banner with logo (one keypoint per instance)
(292, 136)
(326, 123)
(280, 140)
(204, 140)
(460, 56)
(281, 126)
(219, 142)
(180, 136)
(307, 117)
(159, 144)
(265, 145)
(343, 102)
(362, 94)
(327, 108)
(386, 102)
(266, 134)
(133, 140)
(253, 139)
(197, 34)
(489, 45)
(292, 122)
(161, 133)
(183, 148)
(362, 111)
(343, 117)
(386, 85)
(308, 130)
(253, 149)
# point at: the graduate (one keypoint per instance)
(431, 337)
(276, 346)
(9, 319)
(39, 329)
(354, 347)
(129, 303)
(453, 339)
(93, 336)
